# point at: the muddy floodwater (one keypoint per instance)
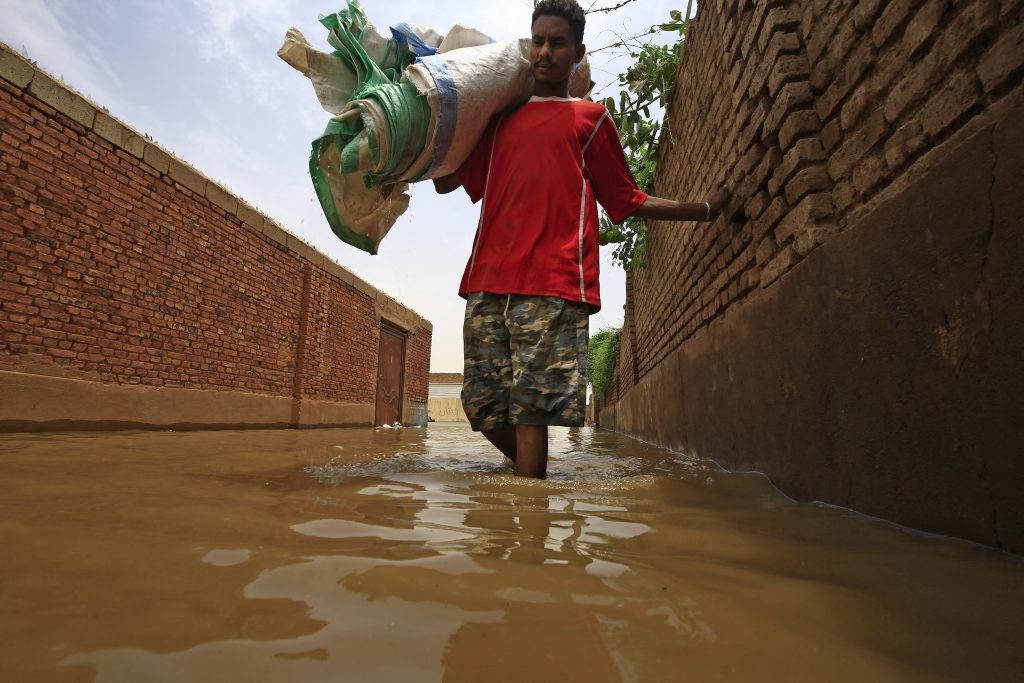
(414, 555)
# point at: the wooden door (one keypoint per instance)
(390, 374)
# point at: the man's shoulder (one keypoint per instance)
(591, 108)
(593, 113)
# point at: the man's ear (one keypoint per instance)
(581, 50)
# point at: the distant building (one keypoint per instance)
(444, 398)
(445, 385)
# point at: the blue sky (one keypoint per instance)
(203, 79)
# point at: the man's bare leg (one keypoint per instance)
(504, 439)
(532, 450)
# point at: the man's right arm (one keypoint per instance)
(656, 208)
(448, 183)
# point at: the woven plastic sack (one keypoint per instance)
(361, 77)
(406, 108)
(465, 87)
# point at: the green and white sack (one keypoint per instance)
(398, 117)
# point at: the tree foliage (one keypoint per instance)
(602, 352)
(646, 83)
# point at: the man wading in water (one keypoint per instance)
(532, 278)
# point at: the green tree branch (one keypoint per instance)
(647, 82)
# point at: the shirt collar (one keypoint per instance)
(554, 99)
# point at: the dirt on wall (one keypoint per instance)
(135, 292)
(850, 327)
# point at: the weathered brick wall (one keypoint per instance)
(851, 325)
(896, 78)
(808, 109)
(122, 265)
(627, 363)
(339, 345)
(417, 375)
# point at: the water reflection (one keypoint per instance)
(415, 555)
(457, 575)
(226, 558)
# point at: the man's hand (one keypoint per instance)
(716, 199)
(659, 209)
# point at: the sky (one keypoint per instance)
(203, 79)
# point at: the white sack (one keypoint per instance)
(469, 86)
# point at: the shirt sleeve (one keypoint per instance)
(613, 183)
(473, 171)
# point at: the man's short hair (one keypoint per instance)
(568, 10)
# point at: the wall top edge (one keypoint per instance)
(22, 73)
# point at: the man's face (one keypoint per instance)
(553, 51)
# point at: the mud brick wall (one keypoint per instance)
(848, 325)
(152, 296)
(417, 373)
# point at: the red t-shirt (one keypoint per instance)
(539, 169)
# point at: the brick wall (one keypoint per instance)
(417, 372)
(859, 288)
(808, 110)
(122, 265)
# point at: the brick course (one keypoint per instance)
(121, 264)
(851, 325)
(822, 106)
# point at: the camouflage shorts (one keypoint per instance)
(526, 360)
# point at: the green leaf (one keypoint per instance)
(602, 356)
(648, 80)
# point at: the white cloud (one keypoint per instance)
(228, 25)
(242, 37)
(44, 30)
